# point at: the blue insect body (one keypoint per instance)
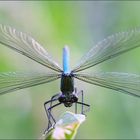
(67, 82)
(66, 60)
(108, 48)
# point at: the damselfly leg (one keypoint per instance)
(55, 98)
(51, 120)
(83, 111)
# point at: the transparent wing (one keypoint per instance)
(12, 81)
(108, 48)
(123, 82)
(27, 46)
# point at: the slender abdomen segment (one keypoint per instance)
(66, 60)
(67, 84)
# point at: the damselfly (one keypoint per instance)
(109, 48)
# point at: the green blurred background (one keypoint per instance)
(80, 25)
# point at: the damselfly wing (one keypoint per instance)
(107, 49)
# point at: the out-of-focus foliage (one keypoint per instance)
(79, 24)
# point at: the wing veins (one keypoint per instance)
(27, 46)
(15, 81)
(130, 85)
(108, 48)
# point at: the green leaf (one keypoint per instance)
(66, 127)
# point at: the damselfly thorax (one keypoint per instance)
(68, 97)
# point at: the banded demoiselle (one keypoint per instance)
(106, 49)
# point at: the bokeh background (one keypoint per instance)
(80, 25)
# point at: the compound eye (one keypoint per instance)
(62, 99)
(74, 99)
